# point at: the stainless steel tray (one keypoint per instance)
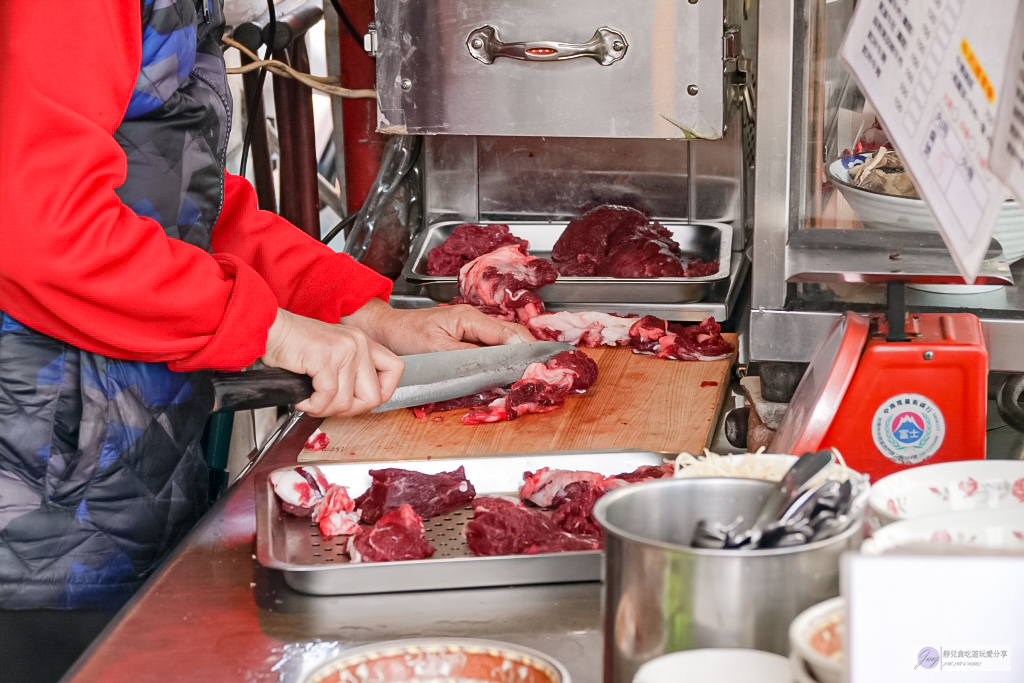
(312, 564)
(705, 241)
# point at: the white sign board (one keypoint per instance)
(933, 70)
(933, 618)
(1008, 142)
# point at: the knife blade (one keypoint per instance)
(427, 377)
(444, 375)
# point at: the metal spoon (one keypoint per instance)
(791, 488)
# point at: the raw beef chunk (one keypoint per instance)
(504, 279)
(657, 337)
(429, 495)
(546, 486)
(336, 513)
(580, 365)
(492, 412)
(466, 243)
(587, 329)
(614, 241)
(584, 242)
(576, 507)
(501, 527)
(639, 256)
(317, 441)
(533, 396)
(481, 398)
(697, 268)
(647, 473)
(648, 232)
(396, 536)
(543, 387)
(648, 335)
(299, 489)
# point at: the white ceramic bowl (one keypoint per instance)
(823, 668)
(990, 529)
(888, 212)
(716, 666)
(799, 670)
(947, 487)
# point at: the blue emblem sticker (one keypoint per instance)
(908, 429)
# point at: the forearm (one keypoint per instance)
(307, 277)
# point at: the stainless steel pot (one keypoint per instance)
(662, 596)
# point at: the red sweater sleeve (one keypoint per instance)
(307, 277)
(77, 264)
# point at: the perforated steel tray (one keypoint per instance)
(706, 241)
(313, 564)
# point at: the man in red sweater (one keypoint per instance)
(129, 260)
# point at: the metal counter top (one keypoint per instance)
(212, 613)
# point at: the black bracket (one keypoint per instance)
(896, 301)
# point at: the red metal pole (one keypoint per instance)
(364, 147)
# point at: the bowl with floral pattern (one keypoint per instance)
(441, 660)
(983, 529)
(948, 487)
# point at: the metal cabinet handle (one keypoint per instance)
(606, 47)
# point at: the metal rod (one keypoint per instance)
(285, 141)
(262, 168)
(305, 164)
(274, 438)
(691, 182)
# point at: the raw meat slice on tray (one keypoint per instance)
(546, 486)
(504, 279)
(503, 527)
(398, 535)
(336, 514)
(698, 268)
(647, 473)
(300, 489)
(573, 494)
(575, 511)
(616, 241)
(544, 387)
(584, 242)
(429, 495)
(466, 243)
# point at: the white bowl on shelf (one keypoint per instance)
(819, 666)
(799, 670)
(716, 665)
(948, 487)
(888, 212)
(986, 529)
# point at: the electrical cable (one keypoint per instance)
(349, 26)
(326, 84)
(257, 96)
(345, 222)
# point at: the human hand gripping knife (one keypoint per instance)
(427, 377)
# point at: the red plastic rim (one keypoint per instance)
(823, 386)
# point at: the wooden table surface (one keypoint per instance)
(639, 402)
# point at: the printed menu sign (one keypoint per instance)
(1008, 142)
(934, 70)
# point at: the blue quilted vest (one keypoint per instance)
(101, 472)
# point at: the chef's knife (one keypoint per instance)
(427, 377)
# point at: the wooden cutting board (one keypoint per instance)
(639, 402)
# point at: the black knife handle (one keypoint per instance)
(266, 388)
